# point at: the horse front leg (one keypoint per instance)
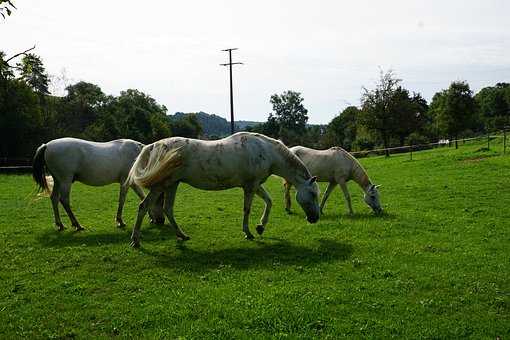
(147, 202)
(329, 189)
(343, 185)
(122, 200)
(287, 186)
(248, 199)
(262, 193)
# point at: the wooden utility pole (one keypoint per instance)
(230, 63)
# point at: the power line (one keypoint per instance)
(230, 63)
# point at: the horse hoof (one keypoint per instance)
(60, 227)
(121, 224)
(183, 238)
(79, 228)
(135, 244)
(288, 211)
(159, 221)
(260, 229)
(249, 237)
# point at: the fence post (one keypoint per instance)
(411, 153)
(488, 140)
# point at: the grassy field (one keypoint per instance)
(436, 265)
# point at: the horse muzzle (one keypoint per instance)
(312, 219)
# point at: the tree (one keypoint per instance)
(494, 105)
(408, 113)
(290, 115)
(377, 107)
(6, 7)
(187, 126)
(454, 109)
(341, 130)
(80, 108)
(33, 73)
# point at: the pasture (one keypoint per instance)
(435, 265)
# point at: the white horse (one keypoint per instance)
(97, 164)
(243, 160)
(335, 166)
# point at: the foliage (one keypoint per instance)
(6, 7)
(341, 131)
(290, 115)
(33, 73)
(434, 266)
(455, 109)
(494, 105)
(187, 126)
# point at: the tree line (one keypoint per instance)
(390, 115)
(30, 115)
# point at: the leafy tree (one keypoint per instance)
(33, 73)
(6, 7)
(290, 115)
(408, 113)
(269, 128)
(80, 108)
(187, 126)
(20, 119)
(5, 69)
(454, 109)
(341, 131)
(377, 107)
(494, 105)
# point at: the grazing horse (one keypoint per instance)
(97, 164)
(335, 166)
(243, 160)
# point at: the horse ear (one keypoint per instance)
(313, 179)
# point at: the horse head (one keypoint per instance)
(308, 198)
(371, 198)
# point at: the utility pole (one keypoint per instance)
(230, 63)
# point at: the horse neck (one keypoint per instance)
(359, 175)
(288, 166)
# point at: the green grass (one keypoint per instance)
(436, 265)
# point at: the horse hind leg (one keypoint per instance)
(143, 207)
(169, 212)
(262, 193)
(248, 199)
(55, 198)
(65, 200)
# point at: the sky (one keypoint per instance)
(326, 50)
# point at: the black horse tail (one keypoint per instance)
(39, 169)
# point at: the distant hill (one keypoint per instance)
(214, 125)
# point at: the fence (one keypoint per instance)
(441, 143)
(23, 165)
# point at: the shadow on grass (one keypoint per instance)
(385, 216)
(267, 253)
(89, 237)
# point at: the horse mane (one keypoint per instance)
(291, 159)
(359, 173)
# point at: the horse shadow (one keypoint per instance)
(385, 216)
(89, 237)
(267, 253)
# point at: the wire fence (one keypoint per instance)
(24, 165)
(441, 143)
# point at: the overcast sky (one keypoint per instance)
(327, 50)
